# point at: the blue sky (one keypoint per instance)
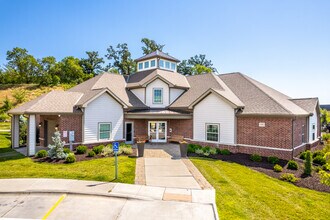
(284, 44)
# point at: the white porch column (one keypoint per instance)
(15, 131)
(31, 138)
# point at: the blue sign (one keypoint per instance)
(115, 147)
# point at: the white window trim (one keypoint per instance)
(217, 124)
(153, 96)
(170, 67)
(148, 61)
(99, 130)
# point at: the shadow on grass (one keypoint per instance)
(7, 154)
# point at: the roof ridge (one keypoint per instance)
(222, 74)
(249, 80)
(304, 98)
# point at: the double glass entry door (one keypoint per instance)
(157, 131)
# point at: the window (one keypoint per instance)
(303, 134)
(146, 64)
(153, 63)
(212, 132)
(173, 66)
(104, 131)
(167, 64)
(140, 66)
(313, 130)
(157, 96)
(161, 63)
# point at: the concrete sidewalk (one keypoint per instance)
(142, 199)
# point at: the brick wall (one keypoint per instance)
(65, 123)
(71, 123)
(276, 133)
(299, 128)
(179, 126)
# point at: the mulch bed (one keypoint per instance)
(310, 182)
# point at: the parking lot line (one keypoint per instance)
(54, 206)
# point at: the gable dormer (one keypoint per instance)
(157, 59)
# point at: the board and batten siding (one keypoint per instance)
(313, 120)
(175, 93)
(157, 83)
(103, 109)
(139, 93)
(213, 109)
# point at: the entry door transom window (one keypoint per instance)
(212, 132)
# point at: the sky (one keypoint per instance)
(284, 44)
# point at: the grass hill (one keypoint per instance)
(18, 94)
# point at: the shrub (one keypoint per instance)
(326, 137)
(278, 168)
(199, 151)
(308, 163)
(98, 149)
(319, 160)
(107, 151)
(213, 151)
(91, 153)
(303, 155)
(218, 150)
(66, 150)
(288, 177)
(81, 149)
(19, 95)
(325, 177)
(318, 153)
(126, 150)
(326, 167)
(41, 154)
(71, 158)
(292, 165)
(206, 149)
(192, 148)
(56, 150)
(206, 153)
(256, 158)
(273, 160)
(225, 152)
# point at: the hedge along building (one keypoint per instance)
(230, 111)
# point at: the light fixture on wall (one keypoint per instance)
(56, 127)
(40, 124)
(59, 115)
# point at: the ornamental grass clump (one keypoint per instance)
(288, 177)
(213, 151)
(199, 151)
(278, 168)
(107, 151)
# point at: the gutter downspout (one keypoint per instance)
(292, 134)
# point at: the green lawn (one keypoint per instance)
(15, 165)
(98, 169)
(4, 125)
(242, 193)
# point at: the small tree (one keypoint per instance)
(56, 149)
(19, 95)
(308, 163)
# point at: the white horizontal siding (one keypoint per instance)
(213, 109)
(149, 90)
(175, 93)
(139, 93)
(103, 109)
(313, 120)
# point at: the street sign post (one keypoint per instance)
(115, 148)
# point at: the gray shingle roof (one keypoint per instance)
(159, 54)
(201, 84)
(260, 99)
(51, 103)
(141, 79)
(308, 104)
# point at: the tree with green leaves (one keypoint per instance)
(49, 71)
(150, 46)
(325, 117)
(120, 58)
(70, 71)
(92, 64)
(197, 64)
(22, 65)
